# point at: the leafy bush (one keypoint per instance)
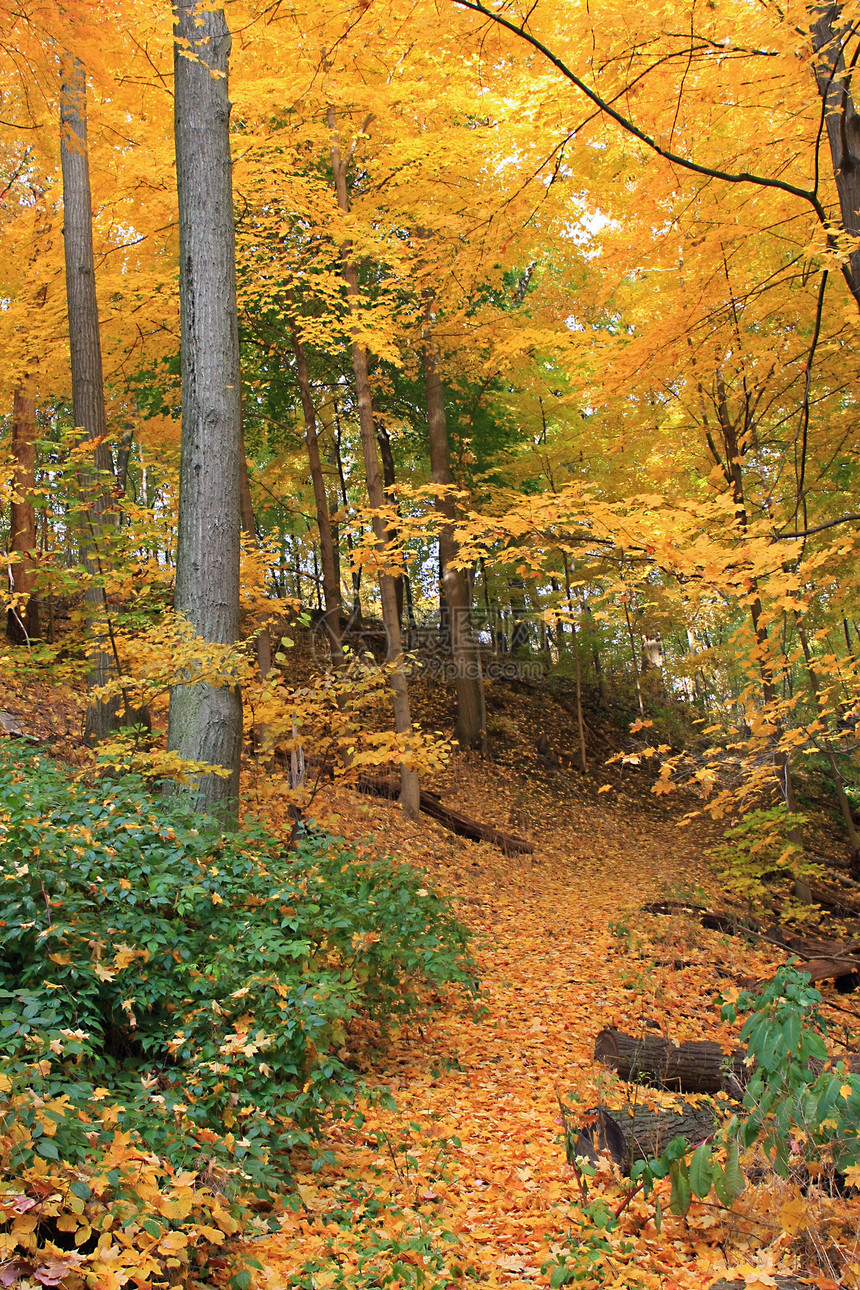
(193, 992)
(758, 848)
(803, 1116)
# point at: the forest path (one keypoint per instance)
(473, 1149)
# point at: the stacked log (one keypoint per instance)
(698, 1066)
(639, 1132)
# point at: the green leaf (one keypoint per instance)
(47, 1147)
(700, 1171)
(734, 1179)
(681, 1195)
(80, 1189)
(150, 1226)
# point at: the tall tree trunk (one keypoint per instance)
(206, 721)
(732, 468)
(583, 760)
(356, 573)
(389, 483)
(829, 33)
(844, 804)
(468, 679)
(409, 786)
(22, 624)
(263, 638)
(88, 401)
(635, 661)
(330, 576)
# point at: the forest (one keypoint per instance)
(430, 671)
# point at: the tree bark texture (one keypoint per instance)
(842, 122)
(389, 483)
(263, 637)
(205, 720)
(88, 402)
(409, 785)
(468, 679)
(22, 623)
(844, 804)
(698, 1066)
(330, 575)
(640, 1133)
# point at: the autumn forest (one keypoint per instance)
(429, 696)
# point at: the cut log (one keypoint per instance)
(698, 1066)
(454, 820)
(734, 924)
(782, 1283)
(640, 1133)
(9, 724)
(835, 898)
(831, 968)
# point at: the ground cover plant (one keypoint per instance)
(174, 1009)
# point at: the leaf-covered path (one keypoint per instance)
(469, 1169)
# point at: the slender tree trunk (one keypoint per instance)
(205, 720)
(389, 483)
(468, 679)
(830, 32)
(22, 623)
(583, 760)
(263, 638)
(330, 577)
(844, 804)
(356, 573)
(88, 402)
(732, 468)
(635, 661)
(409, 785)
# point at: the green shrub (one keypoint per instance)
(191, 991)
(758, 848)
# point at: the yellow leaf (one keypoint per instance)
(793, 1216)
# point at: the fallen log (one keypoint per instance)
(697, 1066)
(735, 925)
(454, 820)
(828, 969)
(9, 724)
(782, 1283)
(834, 898)
(640, 1133)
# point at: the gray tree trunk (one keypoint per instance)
(410, 791)
(88, 401)
(330, 574)
(23, 618)
(205, 720)
(468, 680)
(829, 32)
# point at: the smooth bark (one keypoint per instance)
(409, 786)
(844, 804)
(842, 122)
(206, 720)
(22, 623)
(468, 678)
(88, 401)
(330, 576)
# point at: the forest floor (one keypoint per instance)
(459, 1177)
(470, 1166)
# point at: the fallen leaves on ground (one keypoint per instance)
(469, 1170)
